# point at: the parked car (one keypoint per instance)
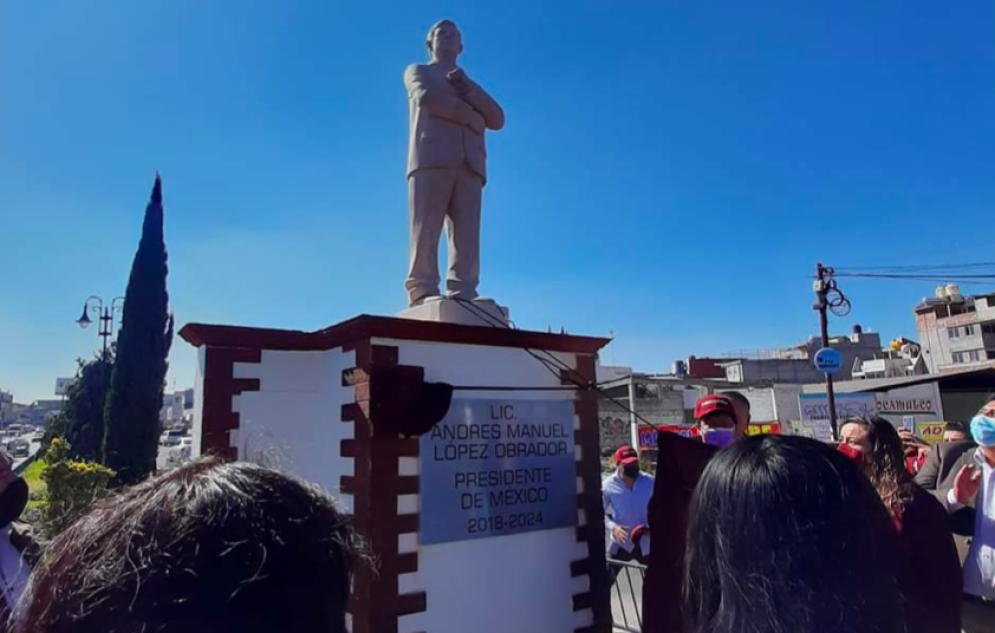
(180, 454)
(38, 436)
(171, 438)
(19, 448)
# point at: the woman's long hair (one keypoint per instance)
(788, 536)
(886, 464)
(208, 547)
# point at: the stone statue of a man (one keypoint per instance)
(447, 167)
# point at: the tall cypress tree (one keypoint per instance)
(135, 397)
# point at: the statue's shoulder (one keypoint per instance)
(416, 69)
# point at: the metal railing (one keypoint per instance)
(627, 595)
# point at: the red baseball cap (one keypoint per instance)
(626, 455)
(715, 403)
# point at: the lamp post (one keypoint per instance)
(105, 316)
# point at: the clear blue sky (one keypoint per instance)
(670, 171)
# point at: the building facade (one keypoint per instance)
(956, 331)
(794, 365)
(6, 407)
(38, 413)
(177, 408)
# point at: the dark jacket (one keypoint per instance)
(936, 582)
(937, 476)
(680, 463)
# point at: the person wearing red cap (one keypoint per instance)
(626, 496)
(680, 463)
(717, 413)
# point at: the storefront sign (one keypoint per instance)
(647, 436)
(768, 428)
(931, 431)
(815, 406)
(816, 429)
(496, 467)
(903, 405)
(909, 400)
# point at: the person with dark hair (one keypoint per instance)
(989, 406)
(962, 475)
(956, 432)
(935, 581)
(742, 407)
(937, 475)
(18, 549)
(787, 536)
(208, 548)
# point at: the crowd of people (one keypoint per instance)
(762, 534)
(777, 533)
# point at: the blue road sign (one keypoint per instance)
(828, 360)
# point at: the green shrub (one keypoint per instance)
(71, 487)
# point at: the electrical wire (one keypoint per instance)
(968, 273)
(922, 277)
(551, 362)
(916, 267)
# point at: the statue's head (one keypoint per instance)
(444, 41)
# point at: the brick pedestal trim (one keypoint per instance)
(595, 566)
(220, 386)
(376, 603)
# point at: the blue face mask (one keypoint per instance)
(983, 430)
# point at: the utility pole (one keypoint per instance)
(821, 306)
(633, 426)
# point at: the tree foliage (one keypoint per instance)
(71, 487)
(135, 397)
(83, 411)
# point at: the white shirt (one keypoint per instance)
(979, 568)
(627, 508)
(14, 571)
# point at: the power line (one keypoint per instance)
(912, 276)
(917, 267)
(551, 362)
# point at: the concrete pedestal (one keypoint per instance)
(458, 545)
(481, 312)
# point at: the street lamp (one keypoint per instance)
(104, 315)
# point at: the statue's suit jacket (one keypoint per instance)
(439, 134)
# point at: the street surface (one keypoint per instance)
(35, 445)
